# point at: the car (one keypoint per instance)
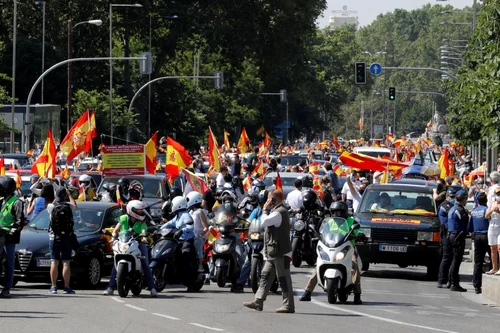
(89, 263)
(25, 181)
(407, 234)
(96, 176)
(19, 160)
(287, 180)
(288, 161)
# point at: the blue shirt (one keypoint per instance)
(39, 206)
(477, 222)
(457, 219)
(334, 179)
(184, 222)
(444, 208)
(256, 214)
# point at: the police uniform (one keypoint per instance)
(447, 250)
(478, 225)
(457, 230)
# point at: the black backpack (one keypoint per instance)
(62, 220)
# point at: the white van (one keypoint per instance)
(373, 151)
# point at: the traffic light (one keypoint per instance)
(360, 73)
(392, 94)
(283, 96)
(146, 64)
(219, 80)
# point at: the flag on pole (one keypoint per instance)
(65, 172)
(79, 137)
(213, 150)
(177, 158)
(267, 140)
(260, 130)
(18, 180)
(45, 165)
(150, 151)
(196, 182)
(226, 140)
(247, 183)
(279, 184)
(2, 166)
(243, 143)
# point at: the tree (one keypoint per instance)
(4, 127)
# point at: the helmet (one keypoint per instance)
(9, 185)
(339, 206)
(74, 192)
(193, 198)
(309, 198)
(451, 192)
(306, 181)
(136, 209)
(85, 179)
(175, 192)
(136, 190)
(218, 193)
(228, 195)
(259, 184)
(35, 176)
(124, 184)
(179, 203)
(263, 196)
(2, 190)
(253, 194)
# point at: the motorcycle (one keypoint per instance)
(166, 258)
(335, 252)
(108, 194)
(304, 239)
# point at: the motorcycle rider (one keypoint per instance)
(134, 219)
(200, 227)
(339, 209)
(122, 190)
(87, 193)
(136, 191)
(250, 202)
(185, 233)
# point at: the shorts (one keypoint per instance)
(493, 236)
(60, 249)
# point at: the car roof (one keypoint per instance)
(414, 181)
(149, 176)
(393, 186)
(286, 174)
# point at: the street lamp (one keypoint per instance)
(70, 51)
(474, 12)
(43, 44)
(111, 5)
(13, 101)
(371, 112)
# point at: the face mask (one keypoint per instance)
(452, 201)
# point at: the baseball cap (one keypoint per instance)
(451, 192)
(61, 194)
(461, 195)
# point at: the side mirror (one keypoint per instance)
(355, 226)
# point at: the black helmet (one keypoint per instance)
(341, 207)
(307, 181)
(263, 196)
(9, 186)
(253, 194)
(218, 193)
(259, 184)
(309, 198)
(175, 192)
(124, 184)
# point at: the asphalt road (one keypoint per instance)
(395, 300)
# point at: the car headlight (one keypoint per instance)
(255, 236)
(424, 236)
(340, 256)
(221, 247)
(366, 231)
(323, 254)
(299, 226)
(123, 247)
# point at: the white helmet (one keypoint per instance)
(229, 195)
(85, 178)
(193, 198)
(178, 203)
(137, 209)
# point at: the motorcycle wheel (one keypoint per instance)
(136, 290)
(331, 290)
(255, 272)
(198, 284)
(121, 281)
(311, 259)
(296, 257)
(221, 276)
(158, 279)
(342, 294)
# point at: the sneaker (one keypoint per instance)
(306, 297)
(154, 293)
(108, 292)
(448, 285)
(68, 291)
(53, 290)
(458, 288)
(441, 285)
(285, 309)
(256, 305)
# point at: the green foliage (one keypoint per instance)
(4, 97)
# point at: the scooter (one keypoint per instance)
(334, 264)
(166, 259)
(304, 240)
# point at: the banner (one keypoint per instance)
(123, 160)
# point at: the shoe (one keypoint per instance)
(440, 285)
(5, 294)
(285, 309)
(306, 297)
(237, 288)
(201, 269)
(458, 288)
(491, 272)
(207, 281)
(68, 291)
(357, 299)
(478, 290)
(448, 285)
(108, 292)
(53, 290)
(154, 293)
(256, 305)
(190, 290)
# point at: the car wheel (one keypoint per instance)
(93, 273)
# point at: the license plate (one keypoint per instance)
(392, 248)
(43, 262)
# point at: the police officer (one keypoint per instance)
(457, 230)
(444, 268)
(478, 225)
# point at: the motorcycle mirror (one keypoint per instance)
(355, 226)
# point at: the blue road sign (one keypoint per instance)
(376, 69)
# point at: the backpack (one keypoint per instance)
(62, 220)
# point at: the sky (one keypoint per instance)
(368, 10)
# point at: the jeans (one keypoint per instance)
(145, 268)
(10, 250)
(481, 247)
(245, 269)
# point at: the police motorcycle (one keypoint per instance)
(334, 265)
(305, 229)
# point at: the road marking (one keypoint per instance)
(460, 309)
(386, 310)
(426, 307)
(377, 291)
(406, 295)
(434, 313)
(208, 327)
(135, 307)
(116, 299)
(165, 316)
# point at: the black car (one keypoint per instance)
(89, 263)
(401, 223)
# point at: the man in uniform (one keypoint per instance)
(457, 230)
(444, 268)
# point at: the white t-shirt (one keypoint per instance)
(491, 194)
(220, 180)
(198, 226)
(294, 199)
(356, 200)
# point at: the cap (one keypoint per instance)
(461, 195)
(481, 196)
(61, 194)
(451, 192)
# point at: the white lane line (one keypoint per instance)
(406, 295)
(208, 327)
(116, 299)
(135, 307)
(165, 316)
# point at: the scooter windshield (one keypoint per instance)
(125, 236)
(333, 231)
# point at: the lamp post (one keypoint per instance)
(43, 45)
(111, 5)
(13, 101)
(70, 52)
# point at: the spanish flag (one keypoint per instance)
(79, 137)
(150, 151)
(196, 182)
(337, 169)
(247, 183)
(2, 166)
(279, 184)
(317, 187)
(267, 140)
(45, 165)
(177, 158)
(314, 168)
(65, 172)
(213, 150)
(243, 143)
(226, 140)
(259, 170)
(260, 130)
(18, 180)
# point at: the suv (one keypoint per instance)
(401, 223)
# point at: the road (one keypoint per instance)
(395, 300)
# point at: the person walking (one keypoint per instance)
(277, 253)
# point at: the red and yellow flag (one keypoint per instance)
(79, 137)
(226, 140)
(213, 150)
(118, 197)
(65, 172)
(267, 140)
(259, 170)
(337, 169)
(177, 159)
(18, 180)
(45, 164)
(2, 166)
(243, 143)
(260, 130)
(317, 187)
(247, 183)
(279, 184)
(196, 182)
(314, 168)
(150, 151)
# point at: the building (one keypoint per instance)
(343, 17)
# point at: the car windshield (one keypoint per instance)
(285, 181)
(153, 187)
(86, 220)
(292, 160)
(333, 231)
(398, 202)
